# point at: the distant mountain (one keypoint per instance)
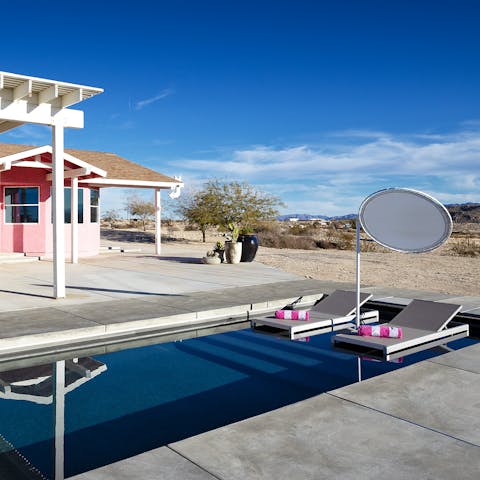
(300, 216)
(461, 213)
(306, 216)
(465, 212)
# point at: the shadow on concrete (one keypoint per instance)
(29, 294)
(133, 236)
(127, 236)
(113, 290)
(195, 260)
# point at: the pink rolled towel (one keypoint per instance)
(292, 314)
(380, 331)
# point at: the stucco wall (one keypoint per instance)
(37, 238)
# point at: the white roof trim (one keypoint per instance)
(112, 182)
(17, 157)
(47, 90)
(26, 99)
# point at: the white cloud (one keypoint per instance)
(148, 101)
(338, 175)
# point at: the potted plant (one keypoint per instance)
(220, 250)
(211, 258)
(233, 248)
(249, 244)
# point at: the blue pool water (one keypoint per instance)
(155, 395)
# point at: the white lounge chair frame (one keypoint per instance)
(327, 316)
(423, 323)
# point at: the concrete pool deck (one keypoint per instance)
(421, 421)
(115, 296)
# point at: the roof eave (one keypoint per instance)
(112, 182)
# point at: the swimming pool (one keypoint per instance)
(123, 403)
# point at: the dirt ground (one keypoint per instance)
(429, 271)
(439, 271)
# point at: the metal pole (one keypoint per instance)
(158, 222)
(59, 418)
(74, 219)
(357, 310)
(58, 207)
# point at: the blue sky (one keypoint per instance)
(319, 102)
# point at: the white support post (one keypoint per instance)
(357, 310)
(58, 207)
(74, 219)
(59, 418)
(158, 222)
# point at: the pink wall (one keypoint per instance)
(37, 238)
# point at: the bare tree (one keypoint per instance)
(198, 208)
(137, 207)
(111, 216)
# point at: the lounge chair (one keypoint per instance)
(330, 314)
(423, 323)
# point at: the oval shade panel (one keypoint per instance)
(405, 220)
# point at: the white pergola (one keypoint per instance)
(25, 99)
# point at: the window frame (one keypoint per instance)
(5, 205)
(95, 207)
(81, 203)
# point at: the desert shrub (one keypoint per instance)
(273, 228)
(132, 223)
(302, 229)
(286, 241)
(466, 247)
(370, 246)
(190, 227)
(345, 240)
(325, 244)
(337, 239)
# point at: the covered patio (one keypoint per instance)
(25, 99)
(31, 166)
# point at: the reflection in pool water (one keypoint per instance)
(120, 404)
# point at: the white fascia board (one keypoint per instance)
(76, 161)
(71, 92)
(23, 111)
(67, 118)
(21, 156)
(47, 82)
(15, 157)
(32, 164)
(108, 182)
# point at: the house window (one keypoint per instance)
(94, 206)
(67, 195)
(68, 205)
(21, 205)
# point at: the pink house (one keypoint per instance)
(26, 205)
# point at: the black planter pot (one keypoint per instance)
(249, 247)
